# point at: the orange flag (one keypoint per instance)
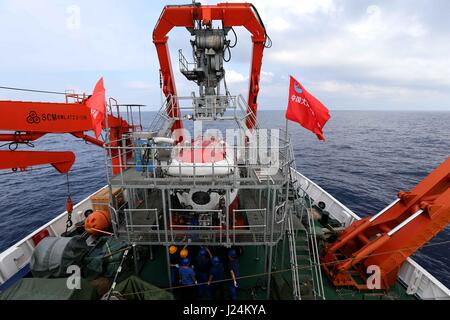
(97, 104)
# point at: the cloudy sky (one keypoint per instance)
(351, 54)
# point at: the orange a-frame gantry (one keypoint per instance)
(387, 239)
(231, 15)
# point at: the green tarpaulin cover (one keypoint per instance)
(48, 289)
(136, 289)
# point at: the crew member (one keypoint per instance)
(174, 264)
(234, 273)
(216, 277)
(202, 268)
(187, 279)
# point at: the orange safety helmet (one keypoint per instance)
(184, 253)
(173, 249)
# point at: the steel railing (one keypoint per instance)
(312, 240)
(293, 259)
(219, 107)
(124, 157)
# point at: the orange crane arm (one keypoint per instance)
(231, 15)
(20, 160)
(31, 121)
(44, 117)
(387, 239)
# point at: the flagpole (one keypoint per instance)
(287, 134)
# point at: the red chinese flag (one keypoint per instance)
(97, 104)
(306, 109)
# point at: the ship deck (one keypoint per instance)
(254, 279)
(153, 268)
(253, 282)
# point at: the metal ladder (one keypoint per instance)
(306, 251)
(313, 247)
(162, 123)
(293, 258)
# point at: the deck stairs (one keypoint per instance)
(303, 247)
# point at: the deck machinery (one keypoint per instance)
(191, 187)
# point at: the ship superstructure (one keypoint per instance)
(219, 189)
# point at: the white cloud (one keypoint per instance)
(374, 63)
(379, 24)
(267, 77)
(233, 76)
(278, 24)
(367, 90)
(385, 46)
(344, 50)
(298, 7)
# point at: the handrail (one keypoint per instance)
(183, 63)
(222, 168)
(312, 240)
(130, 226)
(263, 211)
(293, 260)
(226, 102)
(315, 253)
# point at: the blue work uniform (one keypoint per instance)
(234, 266)
(217, 273)
(174, 260)
(187, 276)
(203, 265)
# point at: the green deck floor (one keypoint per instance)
(283, 282)
(251, 285)
(155, 271)
(254, 282)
